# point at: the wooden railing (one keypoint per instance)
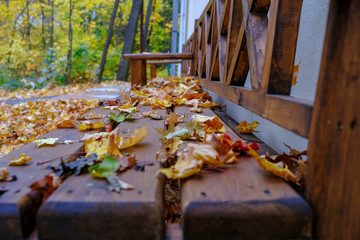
(233, 37)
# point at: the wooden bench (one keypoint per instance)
(138, 63)
(245, 202)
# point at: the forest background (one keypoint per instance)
(44, 42)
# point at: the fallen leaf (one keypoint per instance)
(282, 172)
(173, 144)
(106, 168)
(197, 110)
(209, 124)
(45, 142)
(87, 125)
(245, 127)
(126, 162)
(67, 124)
(115, 184)
(21, 160)
(97, 145)
(46, 185)
(295, 74)
(91, 116)
(156, 117)
(137, 136)
(4, 172)
(206, 153)
(76, 166)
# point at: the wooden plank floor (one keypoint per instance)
(19, 205)
(79, 211)
(243, 202)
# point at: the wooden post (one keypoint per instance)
(138, 72)
(333, 184)
(152, 71)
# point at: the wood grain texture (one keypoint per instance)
(243, 202)
(256, 33)
(280, 51)
(225, 18)
(333, 176)
(79, 211)
(157, 56)
(138, 72)
(164, 62)
(221, 40)
(278, 109)
(237, 61)
(19, 205)
(152, 71)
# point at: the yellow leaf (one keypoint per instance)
(87, 125)
(245, 127)
(173, 144)
(295, 74)
(137, 136)
(21, 160)
(185, 166)
(46, 141)
(284, 173)
(206, 153)
(98, 146)
(207, 104)
(3, 173)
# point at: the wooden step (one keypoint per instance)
(84, 208)
(243, 202)
(19, 205)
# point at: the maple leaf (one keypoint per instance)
(126, 162)
(206, 153)
(67, 124)
(207, 104)
(45, 141)
(21, 160)
(282, 172)
(173, 144)
(137, 136)
(185, 166)
(245, 127)
(171, 119)
(97, 145)
(210, 124)
(46, 185)
(76, 166)
(87, 125)
(118, 118)
(106, 168)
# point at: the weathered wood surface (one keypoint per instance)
(79, 211)
(243, 202)
(333, 177)
(158, 56)
(19, 205)
(288, 112)
(138, 72)
(280, 48)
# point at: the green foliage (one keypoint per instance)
(28, 59)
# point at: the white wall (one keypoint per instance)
(309, 49)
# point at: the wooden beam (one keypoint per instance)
(152, 71)
(164, 61)
(281, 46)
(225, 19)
(221, 39)
(207, 46)
(278, 109)
(261, 6)
(333, 172)
(210, 25)
(235, 71)
(256, 31)
(158, 56)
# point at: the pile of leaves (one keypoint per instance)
(24, 122)
(53, 90)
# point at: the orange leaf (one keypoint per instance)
(295, 74)
(245, 127)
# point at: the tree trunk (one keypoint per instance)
(108, 41)
(43, 20)
(52, 24)
(68, 80)
(28, 29)
(149, 10)
(117, 40)
(130, 31)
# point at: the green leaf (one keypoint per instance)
(106, 168)
(119, 118)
